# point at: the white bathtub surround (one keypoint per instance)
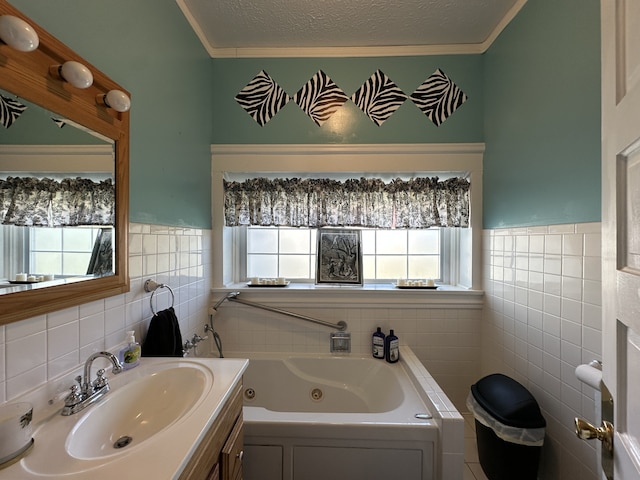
(445, 335)
(39, 349)
(313, 415)
(542, 319)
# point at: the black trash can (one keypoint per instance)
(509, 428)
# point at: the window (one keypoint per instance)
(61, 251)
(280, 252)
(57, 251)
(451, 255)
(387, 254)
(393, 254)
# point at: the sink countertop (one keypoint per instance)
(162, 456)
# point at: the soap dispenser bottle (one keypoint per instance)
(377, 343)
(129, 355)
(392, 348)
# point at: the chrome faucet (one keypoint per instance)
(193, 343)
(86, 392)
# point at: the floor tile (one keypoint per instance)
(469, 431)
(470, 450)
(472, 468)
(468, 474)
(476, 469)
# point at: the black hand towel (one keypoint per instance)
(163, 338)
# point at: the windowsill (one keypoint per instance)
(369, 295)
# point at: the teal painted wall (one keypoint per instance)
(533, 98)
(542, 117)
(150, 49)
(231, 124)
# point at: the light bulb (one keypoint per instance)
(18, 34)
(76, 74)
(117, 100)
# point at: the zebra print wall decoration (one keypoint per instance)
(438, 97)
(262, 98)
(10, 110)
(320, 97)
(378, 97)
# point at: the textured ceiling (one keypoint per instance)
(237, 25)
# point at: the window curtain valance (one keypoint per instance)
(29, 201)
(364, 202)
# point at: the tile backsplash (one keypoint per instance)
(38, 349)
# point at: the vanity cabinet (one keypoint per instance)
(232, 453)
(219, 455)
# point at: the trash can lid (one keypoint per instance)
(508, 401)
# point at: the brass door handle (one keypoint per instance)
(587, 431)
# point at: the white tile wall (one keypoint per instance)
(445, 340)
(542, 318)
(39, 349)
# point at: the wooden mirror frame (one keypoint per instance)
(26, 74)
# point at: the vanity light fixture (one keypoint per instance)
(116, 99)
(73, 72)
(18, 34)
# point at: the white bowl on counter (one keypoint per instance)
(16, 431)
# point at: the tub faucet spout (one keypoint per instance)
(340, 342)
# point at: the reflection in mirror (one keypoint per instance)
(74, 259)
(53, 174)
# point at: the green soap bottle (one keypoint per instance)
(129, 355)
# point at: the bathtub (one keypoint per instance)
(319, 417)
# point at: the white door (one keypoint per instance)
(621, 227)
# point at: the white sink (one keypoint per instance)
(136, 412)
(147, 426)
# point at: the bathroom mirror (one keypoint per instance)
(40, 151)
(75, 135)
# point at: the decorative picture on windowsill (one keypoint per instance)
(339, 257)
(101, 263)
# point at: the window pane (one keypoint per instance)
(424, 267)
(78, 239)
(391, 266)
(314, 243)
(368, 242)
(294, 266)
(47, 238)
(75, 263)
(369, 267)
(391, 242)
(294, 241)
(47, 263)
(262, 266)
(424, 241)
(262, 240)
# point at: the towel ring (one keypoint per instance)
(151, 286)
